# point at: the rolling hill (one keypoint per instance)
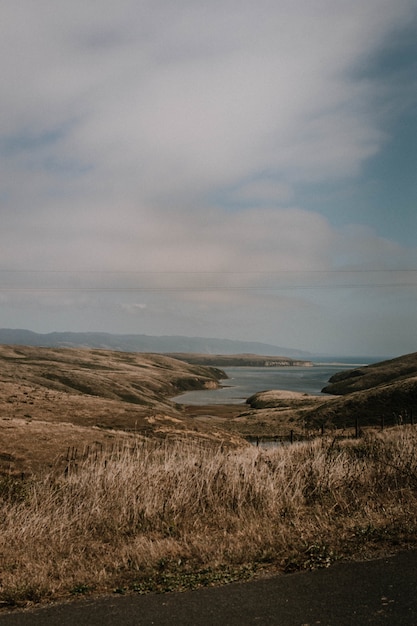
(55, 398)
(382, 391)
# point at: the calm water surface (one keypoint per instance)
(242, 382)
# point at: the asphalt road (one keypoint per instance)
(383, 591)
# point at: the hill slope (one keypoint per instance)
(53, 398)
(143, 379)
(370, 376)
(383, 391)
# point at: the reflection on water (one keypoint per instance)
(242, 382)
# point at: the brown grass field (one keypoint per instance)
(146, 516)
(106, 486)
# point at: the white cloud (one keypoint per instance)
(173, 101)
(171, 137)
(134, 308)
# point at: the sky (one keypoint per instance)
(232, 169)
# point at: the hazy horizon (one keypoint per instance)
(285, 351)
(224, 169)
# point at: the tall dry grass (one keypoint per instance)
(160, 514)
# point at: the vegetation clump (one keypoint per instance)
(158, 516)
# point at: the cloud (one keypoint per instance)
(164, 101)
(164, 145)
(134, 308)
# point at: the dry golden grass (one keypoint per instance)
(162, 497)
(166, 515)
(33, 447)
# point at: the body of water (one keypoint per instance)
(243, 382)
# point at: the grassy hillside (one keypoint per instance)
(385, 372)
(384, 392)
(146, 379)
(52, 399)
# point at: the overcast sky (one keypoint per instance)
(229, 168)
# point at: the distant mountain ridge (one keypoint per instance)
(144, 343)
